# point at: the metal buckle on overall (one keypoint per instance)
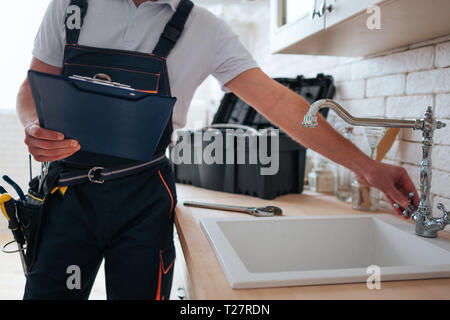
(94, 175)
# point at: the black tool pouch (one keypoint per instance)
(31, 214)
(30, 218)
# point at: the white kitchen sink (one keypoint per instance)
(292, 251)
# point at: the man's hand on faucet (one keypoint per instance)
(393, 181)
(287, 109)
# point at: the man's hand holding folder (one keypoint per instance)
(46, 145)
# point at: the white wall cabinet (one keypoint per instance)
(339, 10)
(340, 27)
(286, 29)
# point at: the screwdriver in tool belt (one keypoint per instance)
(9, 209)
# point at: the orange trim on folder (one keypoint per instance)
(148, 91)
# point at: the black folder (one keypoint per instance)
(104, 119)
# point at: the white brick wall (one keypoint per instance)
(397, 63)
(443, 106)
(440, 184)
(351, 89)
(409, 107)
(407, 152)
(386, 86)
(441, 158)
(443, 55)
(430, 81)
(370, 107)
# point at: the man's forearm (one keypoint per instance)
(25, 107)
(288, 114)
(286, 109)
(45, 145)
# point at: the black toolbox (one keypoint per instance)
(246, 178)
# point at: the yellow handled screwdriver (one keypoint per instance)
(9, 209)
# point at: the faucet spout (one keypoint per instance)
(310, 119)
(426, 225)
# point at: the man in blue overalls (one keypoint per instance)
(122, 211)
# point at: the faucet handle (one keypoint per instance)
(440, 124)
(441, 207)
(407, 212)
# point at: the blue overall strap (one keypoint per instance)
(173, 29)
(72, 35)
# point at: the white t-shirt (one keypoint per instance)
(207, 46)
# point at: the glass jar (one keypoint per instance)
(320, 178)
(321, 181)
(363, 197)
(343, 185)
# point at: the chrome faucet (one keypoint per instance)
(425, 224)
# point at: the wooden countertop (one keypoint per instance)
(207, 280)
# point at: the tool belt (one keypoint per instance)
(25, 214)
(29, 210)
(70, 176)
(30, 215)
